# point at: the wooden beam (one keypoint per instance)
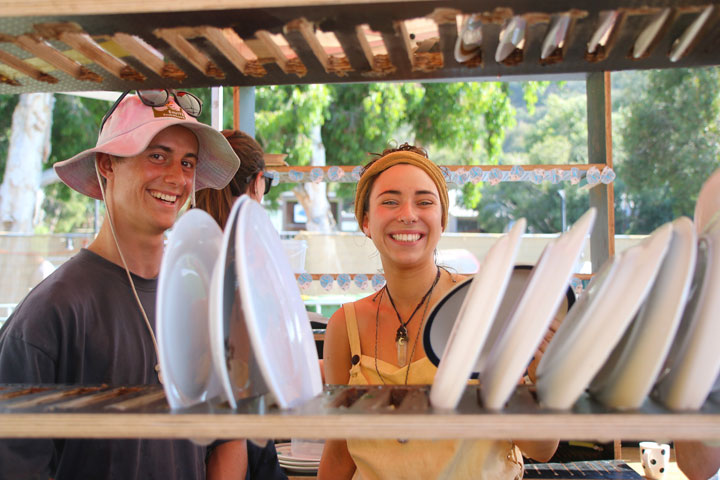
(234, 48)
(337, 64)
(396, 43)
(287, 65)
(148, 56)
(381, 64)
(175, 37)
(353, 50)
(83, 43)
(301, 38)
(602, 196)
(141, 413)
(15, 8)
(40, 48)
(25, 68)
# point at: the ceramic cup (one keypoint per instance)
(655, 458)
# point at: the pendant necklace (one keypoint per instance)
(401, 336)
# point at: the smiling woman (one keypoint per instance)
(401, 203)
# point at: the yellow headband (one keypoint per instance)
(383, 163)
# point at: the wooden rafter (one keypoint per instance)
(177, 38)
(355, 42)
(148, 56)
(40, 48)
(289, 65)
(25, 68)
(234, 48)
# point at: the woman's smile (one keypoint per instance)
(406, 237)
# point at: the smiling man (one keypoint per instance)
(92, 321)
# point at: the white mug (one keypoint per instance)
(655, 458)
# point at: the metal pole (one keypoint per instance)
(216, 112)
(563, 209)
(246, 110)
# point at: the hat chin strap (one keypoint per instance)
(127, 270)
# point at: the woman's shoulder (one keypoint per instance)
(370, 301)
(358, 309)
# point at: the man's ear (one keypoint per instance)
(104, 164)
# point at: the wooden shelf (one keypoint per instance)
(340, 412)
(118, 45)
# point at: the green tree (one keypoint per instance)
(670, 145)
(557, 135)
(75, 128)
(460, 123)
(7, 107)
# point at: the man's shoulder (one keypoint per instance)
(63, 290)
(60, 284)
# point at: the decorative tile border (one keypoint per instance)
(459, 175)
(376, 281)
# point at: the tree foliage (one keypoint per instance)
(459, 123)
(670, 145)
(667, 140)
(557, 135)
(75, 128)
(7, 107)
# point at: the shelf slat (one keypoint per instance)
(355, 412)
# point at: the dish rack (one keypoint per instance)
(401, 412)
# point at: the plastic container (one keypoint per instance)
(296, 250)
(306, 449)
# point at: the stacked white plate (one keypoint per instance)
(707, 207)
(475, 319)
(628, 375)
(514, 347)
(230, 319)
(597, 322)
(296, 463)
(694, 362)
(182, 310)
(256, 298)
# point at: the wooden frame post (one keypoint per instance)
(602, 196)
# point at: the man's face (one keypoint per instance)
(147, 191)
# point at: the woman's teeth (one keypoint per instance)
(406, 237)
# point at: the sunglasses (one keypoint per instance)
(268, 181)
(191, 104)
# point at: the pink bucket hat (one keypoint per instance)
(128, 132)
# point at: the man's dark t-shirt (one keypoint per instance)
(82, 325)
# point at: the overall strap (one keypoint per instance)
(352, 329)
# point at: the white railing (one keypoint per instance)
(5, 310)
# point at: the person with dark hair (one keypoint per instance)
(92, 321)
(250, 178)
(401, 204)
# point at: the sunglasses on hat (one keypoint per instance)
(268, 181)
(191, 104)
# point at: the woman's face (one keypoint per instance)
(404, 215)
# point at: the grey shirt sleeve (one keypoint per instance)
(23, 363)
